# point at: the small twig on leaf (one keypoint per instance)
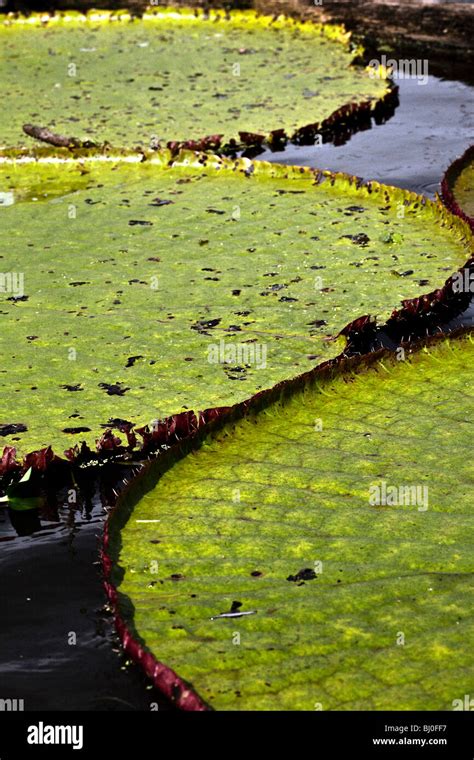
(45, 134)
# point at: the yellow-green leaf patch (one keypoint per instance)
(315, 554)
(176, 75)
(133, 289)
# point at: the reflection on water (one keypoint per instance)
(64, 503)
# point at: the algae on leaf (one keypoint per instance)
(134, 289)
(175, 75)
(335, 524)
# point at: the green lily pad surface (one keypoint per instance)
(132, 290)
(336, 528)
(174, 75)
(463, 187)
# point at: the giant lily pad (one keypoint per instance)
(133, 289)
(178, 75)
(316, 551)
(457, 187)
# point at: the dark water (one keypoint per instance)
(433, 124)
(51, 588)
(50, 579)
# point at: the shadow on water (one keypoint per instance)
(51, 579)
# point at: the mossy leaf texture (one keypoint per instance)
(317, 553)
(175, 75)
(132, 290)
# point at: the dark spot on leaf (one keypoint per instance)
(241, 373)
(160, 202)
(116, 422)
(307, 574)
(132, 359)
(204, 324)
(13, 427)
(114, 389)
(360, 239)
(72, 388)
(135, 222)
(76, 430)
